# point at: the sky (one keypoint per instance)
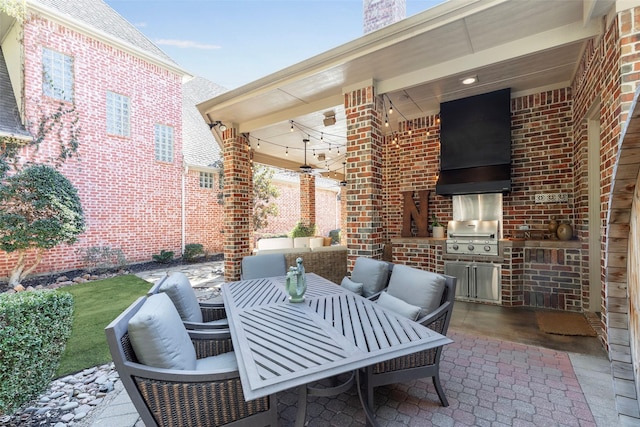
(234, 42)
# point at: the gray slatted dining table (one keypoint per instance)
(280, 345)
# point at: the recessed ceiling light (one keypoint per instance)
(469, 80)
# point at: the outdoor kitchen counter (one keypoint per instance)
(537, 243)
(434, 249)
(529, 269)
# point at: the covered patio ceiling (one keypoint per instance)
(419, 62)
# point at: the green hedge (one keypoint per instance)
(34, 328)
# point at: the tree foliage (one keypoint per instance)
(40, 210)
(14, 8)
(59, 120)
(264, 193)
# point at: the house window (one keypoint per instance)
(206, 180)
(163, 137)
(118, 112)
(57, 75)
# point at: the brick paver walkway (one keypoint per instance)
(488, 383)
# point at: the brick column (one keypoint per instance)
(238, 203)
(343, 215)
(365, 141)
(307, 199)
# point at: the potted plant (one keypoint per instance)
(437, 229)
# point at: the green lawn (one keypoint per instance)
(96, 305)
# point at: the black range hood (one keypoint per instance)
(475, 145)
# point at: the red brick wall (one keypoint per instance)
(130, 201)
(541, 159)
(597, 84)
(288, 209)
(327, 210)
(542, 162)
(204, 215)
(412, 165)
(552, 277)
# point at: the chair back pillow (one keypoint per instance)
(158, 336)
(373, 275)
(259, 266)
(417, 287)
(178, 288)
(352, 286)
(398, 306)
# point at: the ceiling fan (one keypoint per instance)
(343, 183)
(305, 168)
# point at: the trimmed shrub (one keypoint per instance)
(164, 257)
(302, 230)
(193, 251)
(34, 329)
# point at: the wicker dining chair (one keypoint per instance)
(422, 364)
(195, 314)
(207, 393)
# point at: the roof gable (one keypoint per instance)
(98, 15)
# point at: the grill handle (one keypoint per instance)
(489, 235)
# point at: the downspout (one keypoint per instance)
(183, 213)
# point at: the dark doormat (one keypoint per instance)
(564, 323)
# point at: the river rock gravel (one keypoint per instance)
(68, 400)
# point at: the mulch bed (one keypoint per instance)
(47, 279)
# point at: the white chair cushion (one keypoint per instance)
(316, 242)
(158, 336)
(419, 287)
(398, 306)
(282, 251)
(178, 288)
(301, 242)
(352, 286)
(225, 362)
(373, 274)
(275, 243)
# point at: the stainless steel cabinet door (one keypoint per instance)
(477, 281)
(487, 282)
(461, 271)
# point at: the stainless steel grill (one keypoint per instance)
(472, 237)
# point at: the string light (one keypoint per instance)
(291, 126)
(258, 146)
(286, 153)
(408, 126)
